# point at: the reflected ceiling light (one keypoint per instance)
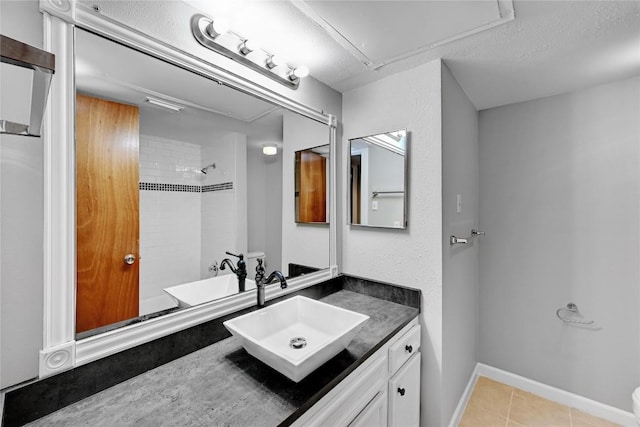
(207, 31)
(247, 47)
(164, 104)
(218, 27)
(269, 149)
(299, 73)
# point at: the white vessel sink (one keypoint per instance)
(267, 334)
(194, 293)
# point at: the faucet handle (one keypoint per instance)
(259, 272)
(241, 256)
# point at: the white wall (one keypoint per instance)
(560, 202)
(264, 203)
(305, 244)
(21, 216)
(459, 263)
(412, 257)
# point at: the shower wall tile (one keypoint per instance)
(169, 161)
(217, 228)
(186, 217)
(221, 221)
(169, 240)
(170, 223)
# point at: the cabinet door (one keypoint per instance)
(404, 395)
(374, 415)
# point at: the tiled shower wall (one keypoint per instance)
(170, 222)
(222, 228)
(187, 219)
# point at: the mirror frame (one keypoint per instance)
(60, 350)
(405, 216)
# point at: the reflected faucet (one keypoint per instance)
(240, 270)
(261, 282)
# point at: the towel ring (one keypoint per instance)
(571, 307)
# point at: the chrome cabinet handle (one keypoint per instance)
(129, 259)
(401, 391)
(408, 348)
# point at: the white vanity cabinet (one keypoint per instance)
(404, 394)
(374, 414)
(369, 396)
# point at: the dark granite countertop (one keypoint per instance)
(222, 384)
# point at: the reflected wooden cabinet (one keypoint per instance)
(383, 391)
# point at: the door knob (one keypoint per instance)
(129, 259)
(408, 348)
(401, 391)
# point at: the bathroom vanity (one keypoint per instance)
(374, 381)
(384, 391)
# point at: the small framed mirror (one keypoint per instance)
(378, 180)
(311, 175)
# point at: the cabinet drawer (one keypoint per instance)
(404, 348)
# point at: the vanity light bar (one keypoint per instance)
(211, 36)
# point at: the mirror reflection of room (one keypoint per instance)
(186, 171)
(378, 176)
(312, 173)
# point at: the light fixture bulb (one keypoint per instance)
(273, 61)
(297, 73)
(217, 27)
(269, 149)
(301, 72)
(246, 47)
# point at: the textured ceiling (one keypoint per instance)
(383, 32)
(550, 47)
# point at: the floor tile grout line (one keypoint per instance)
(510, 422)
(509, 407)
(570, 418)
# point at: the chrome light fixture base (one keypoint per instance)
(199, 24)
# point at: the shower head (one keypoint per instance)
(204, 169)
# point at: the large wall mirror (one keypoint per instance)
(170, 175)
(378, 180)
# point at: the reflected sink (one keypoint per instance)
(297, 335)
(194, 293)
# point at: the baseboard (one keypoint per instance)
(457, 414)
(561, 396)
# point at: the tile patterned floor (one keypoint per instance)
(495, 404)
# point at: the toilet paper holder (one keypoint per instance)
(572, 308)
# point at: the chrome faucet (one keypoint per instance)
(261, 282)
(240, 270)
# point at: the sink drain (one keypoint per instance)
(298, 342)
